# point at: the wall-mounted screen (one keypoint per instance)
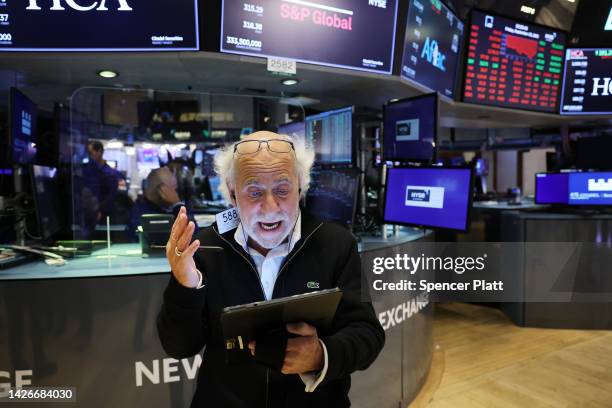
(101, 25)
(513, 64)
(410, 129)
(342, 33)
(432, 46)
(587, 85)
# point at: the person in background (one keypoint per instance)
(160, 197)
(101, 180)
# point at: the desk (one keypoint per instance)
(587, 275)
(91, 325)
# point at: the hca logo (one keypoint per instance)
(57, 5)
(605, 86)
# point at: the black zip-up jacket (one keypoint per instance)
(190, 319)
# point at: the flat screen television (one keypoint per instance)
(410, 129)
(331, 135)
(432, 46)
(119, 25)
(23, 118)
(432, 197)
(551, 188)
(587, 84)
(332, 195)
(590, 189)
(340, 33)
(513, 64)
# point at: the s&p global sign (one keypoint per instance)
(112, 25)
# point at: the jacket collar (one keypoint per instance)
(309, 225)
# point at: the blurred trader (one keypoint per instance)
(160, 197)
(101, 180)
(275, 251)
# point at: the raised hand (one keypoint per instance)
(180, 252)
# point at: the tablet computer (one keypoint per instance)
(243, 323)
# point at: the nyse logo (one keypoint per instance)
(101, 6)
(602, 84)
(407, 130)
(433, 54)
(424, 196)
(378, 3)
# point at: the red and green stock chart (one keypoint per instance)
(513, 64)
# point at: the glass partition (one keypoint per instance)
(121, 138)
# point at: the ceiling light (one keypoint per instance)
(105, 73)
(290, 82)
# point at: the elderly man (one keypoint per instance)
(160, 197)
(275, 251)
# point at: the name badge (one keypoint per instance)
(227, 220)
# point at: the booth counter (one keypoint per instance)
(91, 325)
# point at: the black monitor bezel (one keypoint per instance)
(10, 154)
(37, 204)
(468, 217)
(467, 37)
(357, 174)
(436, 96)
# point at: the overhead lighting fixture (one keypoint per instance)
(106, 73)
(528, 10)
(290, 82)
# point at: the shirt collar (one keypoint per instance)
(295, 237)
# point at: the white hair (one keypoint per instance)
(224, 166)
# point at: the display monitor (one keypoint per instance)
(410, 128)
(46, 192)
(434, 197)
(587, 85)
(551, 188)
(432, 46)
(297, 130)
(513, 64)
(592, 25)
(331, 135)
(593, 153)
(23, 118)
(120, 25)
(342, 33)
(332, 195)
(590, 188)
